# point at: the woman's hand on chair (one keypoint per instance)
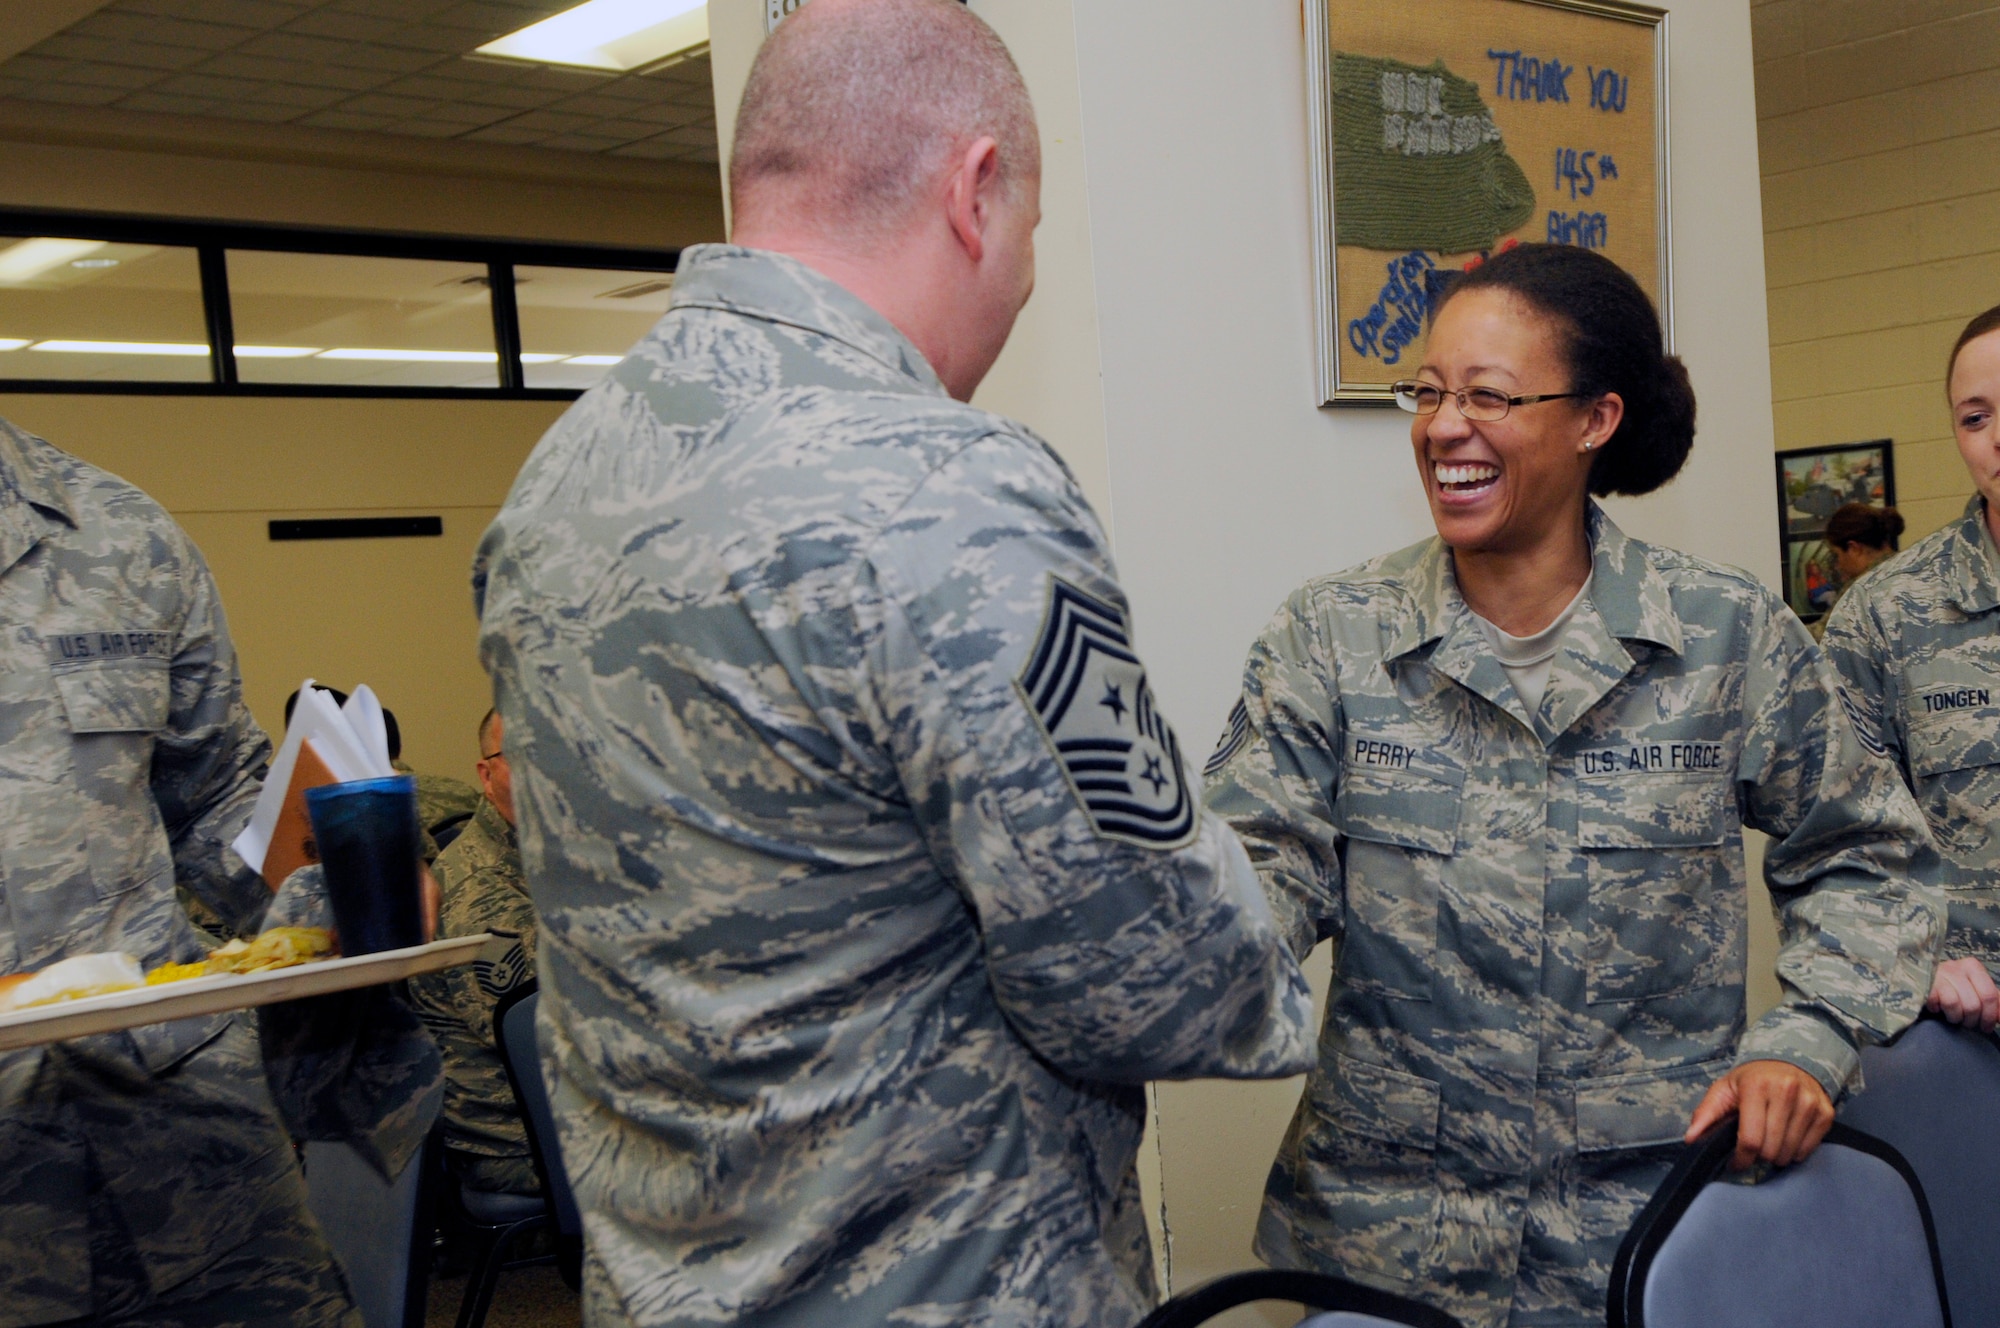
(1963, 992)
(1781, 1113)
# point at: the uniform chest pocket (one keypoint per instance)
(1401, 831)
(1954, 760)
(1666, 909)
(114, 712)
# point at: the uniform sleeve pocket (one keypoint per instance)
(1963, 740)
(114, 711)
(121, 699)
(1384, 1104)
(1641, 1110)
(1652, 811)
(1410, 810)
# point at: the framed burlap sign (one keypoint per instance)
(1446, 131)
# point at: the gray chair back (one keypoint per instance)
(1351, 1304)
(1934, 1095)
(515, 1021)
(379, 1230)
(1840, 1240)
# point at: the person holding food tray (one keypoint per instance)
(145, 1176)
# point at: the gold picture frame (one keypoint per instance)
(1528, 119)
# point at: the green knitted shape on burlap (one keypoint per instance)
(1418, 162)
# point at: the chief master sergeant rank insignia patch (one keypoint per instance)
(1089, 692)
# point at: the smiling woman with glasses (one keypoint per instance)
(1507, 772)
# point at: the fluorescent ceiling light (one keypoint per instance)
(31, 258)
(411, 356)
(12, 343)
(535, 357)
(124, 347)
(609, 34)
(275, 352)
(594, 359)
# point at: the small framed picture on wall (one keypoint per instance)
(1813, 484)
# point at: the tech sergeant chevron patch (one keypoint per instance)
(1089, 693)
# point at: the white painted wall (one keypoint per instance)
(1175, 134)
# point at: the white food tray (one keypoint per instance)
(227, 991)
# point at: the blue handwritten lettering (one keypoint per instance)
(1585, 230)
(1607, 89)
(1397, 317)
(1607, 169)
(1574, 169)
(1525, 78)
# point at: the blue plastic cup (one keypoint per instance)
(371, 848)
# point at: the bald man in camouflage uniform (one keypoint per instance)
(872, 881)
(144, 1176)
(1540, 918)
(486, 1145)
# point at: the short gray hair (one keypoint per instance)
(854, 107)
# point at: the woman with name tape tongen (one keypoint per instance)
(1506, 771)
(1917, 644)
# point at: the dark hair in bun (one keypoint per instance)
(1613, 343)
(1868, 526)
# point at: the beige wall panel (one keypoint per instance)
(1841, 21)
(1930, 468)
(1867, 243)
(1778, 29)
(1924, 516)
(150, 183)
(1849, 129)
(1960, 45)
(1842, 71)
(1791, 257)
(1958, 226)
(274, 454)
(1882, 214)
(1781, 85)
(396, 614)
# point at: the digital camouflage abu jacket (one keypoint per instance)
(872, 883)
(1917, 644)
(127, 762)
(1540, 920)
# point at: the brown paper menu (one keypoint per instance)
(292, 839)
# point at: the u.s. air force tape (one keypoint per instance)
(1089, 693)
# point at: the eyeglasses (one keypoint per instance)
(494, 755)
(1475, 403)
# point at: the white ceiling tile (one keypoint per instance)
(380, 66)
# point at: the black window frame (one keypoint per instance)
(211, 241)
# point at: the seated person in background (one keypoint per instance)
(1860, 536)
(444, 805)
(480, 874)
